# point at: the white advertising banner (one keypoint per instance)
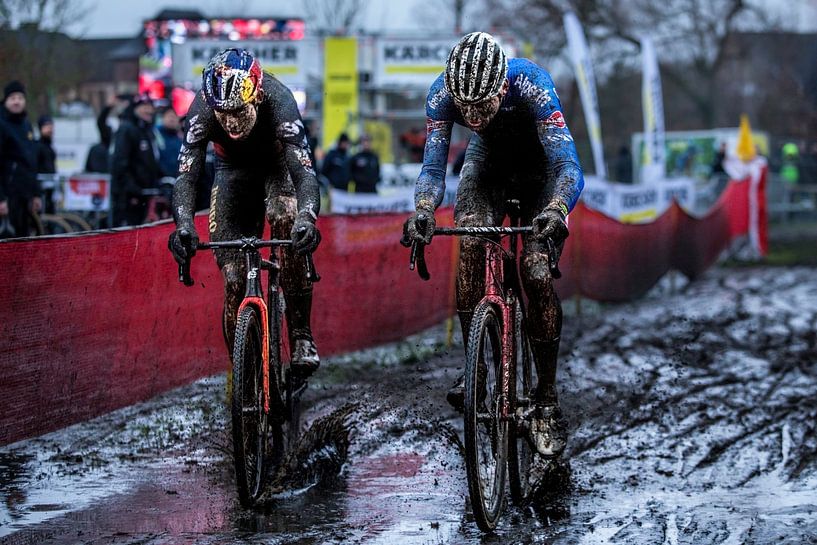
(397, 199)
(387, 199)
(637, 203)
(87, 192)
(411, 62)
(583, 67)
(292, 62)
(652, 105)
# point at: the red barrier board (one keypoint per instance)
(91, 323)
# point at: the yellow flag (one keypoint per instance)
(746, 146)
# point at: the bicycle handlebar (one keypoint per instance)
(418, 249)
(251, 243)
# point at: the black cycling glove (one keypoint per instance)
(182, 243)
(305, 235)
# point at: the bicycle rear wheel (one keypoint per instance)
(486, 436)
(520, 454)
(250, 423)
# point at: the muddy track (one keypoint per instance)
(692, 420)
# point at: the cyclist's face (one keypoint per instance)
(239, 123)
(477, 115)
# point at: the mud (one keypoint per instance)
(692, 420)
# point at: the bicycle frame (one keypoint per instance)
(253, 293)
(254, 296)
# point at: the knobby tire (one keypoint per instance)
(250, 423)
(485, 339)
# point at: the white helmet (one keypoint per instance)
(476, 68)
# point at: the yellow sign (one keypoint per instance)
(380, 133)
(340, 93)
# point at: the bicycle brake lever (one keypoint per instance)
(418, 259)
(553, 263)
(311, 271)
(184, 268)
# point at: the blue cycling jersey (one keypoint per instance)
(529, 121)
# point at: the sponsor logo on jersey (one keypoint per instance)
(439, 96)
(555, 121)
(530, 90)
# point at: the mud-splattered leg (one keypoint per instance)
(544, 320)
(236, 210)
(281, 209)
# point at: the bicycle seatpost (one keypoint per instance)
(184, 269)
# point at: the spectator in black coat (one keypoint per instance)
(336, 164)
(365, 167)
(169, 141)
(134, 165)
(99, 156)
(19, 189)
(46, 156)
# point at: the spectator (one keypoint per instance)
(134, 166)
(46, 156)
(99, 156)
(624, 165)
(809, 166)
(365, 167)
(336, 164)
(790, 169)
(717, 161)
(19, 189)
(169, 142)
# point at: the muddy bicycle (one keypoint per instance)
(499, 374)
(264, 401)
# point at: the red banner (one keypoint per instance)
(91, 323)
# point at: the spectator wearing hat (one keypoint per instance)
(365, 167)
(336, 164)
(19, 189)
(134, 165)
(46, 156)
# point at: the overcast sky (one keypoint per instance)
(113, 18)
(116, 18)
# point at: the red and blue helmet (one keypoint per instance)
(231, 79)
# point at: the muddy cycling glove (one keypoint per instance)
(182, 243)
(551, 224)
(305, 235)
(419, 227)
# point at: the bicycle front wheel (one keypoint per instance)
(486, 435)
(250, 425)
(520, 454)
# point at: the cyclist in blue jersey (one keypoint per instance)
(520, 148)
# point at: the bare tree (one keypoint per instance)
(457, 15)
(37, 52)
(334, 16)
(691, 35)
